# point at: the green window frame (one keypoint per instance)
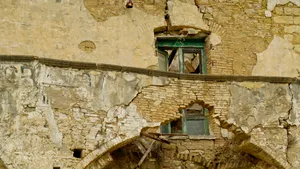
(190, 124)
(182, 46)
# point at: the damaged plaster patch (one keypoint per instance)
(55, 135)
(272, 4)
(213, 39)
(131, 122)
(115, 89)
(185, 14)
(279, 59)
(259, 105)
(293, 148)
(272, 143)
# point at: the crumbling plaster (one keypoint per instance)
(279, 59)
(59, 29)
(55, 30)
(271, 4)
(48, 111)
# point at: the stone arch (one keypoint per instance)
(104, 150)
(201, 102)
(2, 165)
(4, 160)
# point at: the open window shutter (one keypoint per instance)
(195, 126)
(163, 60)
(165, 129)
(206, 121)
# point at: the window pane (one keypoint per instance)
(162, 60)
(195, 127)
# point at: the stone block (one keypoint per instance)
(278, 10)
(297, 48)
(283, 19)
(296, 38)
(291, 11)
(292, 29)
(294, 147)
(288, 37)
(297, 20)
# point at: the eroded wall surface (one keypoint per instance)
(47, 111)
(54, 29)
(107, 32)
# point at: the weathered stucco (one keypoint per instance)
(255, 100)
(55, 29)
(48, 108)
(46, 112)
(279, 59)
(107, 32)
(272, 3)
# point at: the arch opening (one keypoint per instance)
(195, 120)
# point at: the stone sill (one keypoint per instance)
(200, 137)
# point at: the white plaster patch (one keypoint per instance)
(214, 39)
(279, 59)
(272, 3)
(183, 14)
(268, 13)
(55, 135)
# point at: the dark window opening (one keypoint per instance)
(176, 126)
(56, 167)
(77, 153)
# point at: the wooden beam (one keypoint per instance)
(140, 147)
(189, 66)
(169, 134)
(172, 55)
(145, 155)
(155, 138)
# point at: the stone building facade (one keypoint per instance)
(69, 99)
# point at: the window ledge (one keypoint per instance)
(191, 137)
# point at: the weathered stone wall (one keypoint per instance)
(55, 29)
(249, 29)
(107, 32)
(47, 111)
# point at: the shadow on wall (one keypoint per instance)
(110, 146)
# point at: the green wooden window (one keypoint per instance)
(169, 48)
(193, 122)
(197, 122)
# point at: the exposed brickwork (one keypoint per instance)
(245, 31)
(56, 110)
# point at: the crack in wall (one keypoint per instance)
(290, 138)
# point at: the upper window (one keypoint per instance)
(184, 55)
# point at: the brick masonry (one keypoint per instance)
(82, 121)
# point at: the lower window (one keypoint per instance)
(194, 121)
